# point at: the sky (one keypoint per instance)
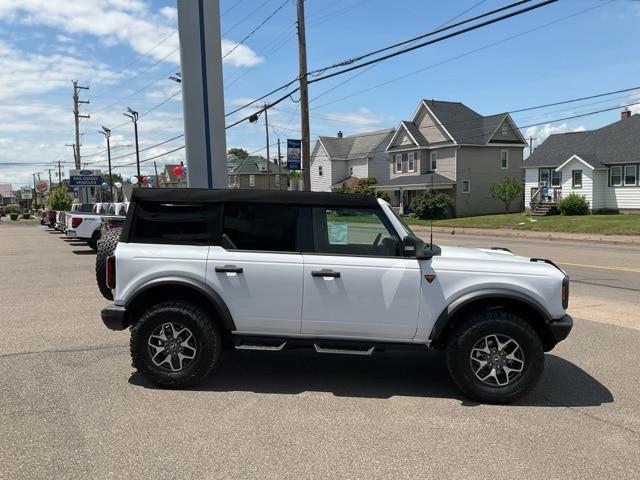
(125, 50)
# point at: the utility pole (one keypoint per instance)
(107, 134)
(304, 97)
(279, 167)
(59, 172)
(34, 201)
(50, 177)
(156, 179)
(77, 117)
(266, 127)
(133, 115)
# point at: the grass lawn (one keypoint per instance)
(602, 224)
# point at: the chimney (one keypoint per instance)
(626, 113)
(339, 133)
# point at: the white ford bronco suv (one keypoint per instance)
(339, 273)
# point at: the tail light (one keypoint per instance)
(111, 272)
(75, 222)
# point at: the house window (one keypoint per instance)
(434, 161)
(412, 162)
(615, 176)
(320, 170)
(466, 186)
(543, 177)
(398, 160)
(576, 178)
(252, 180)
(351, 171)
(504, 159)
(556, 178)
(630, 176)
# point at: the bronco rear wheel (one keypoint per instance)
(495, 356)
(175, 345)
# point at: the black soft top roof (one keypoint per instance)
(205, 195)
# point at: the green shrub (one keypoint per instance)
(573, 204)
(506, 190)
(14, 216)
(60, 199)
(431, 205)
(13, 208)
(26, 216)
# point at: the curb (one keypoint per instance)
(554, 236)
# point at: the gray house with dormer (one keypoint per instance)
(447, 146)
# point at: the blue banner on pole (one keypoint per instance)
(294, 148)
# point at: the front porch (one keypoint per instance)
(544, 200)
(401, 197)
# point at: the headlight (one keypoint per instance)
(565, 292)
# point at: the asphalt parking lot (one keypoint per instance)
(72, 407)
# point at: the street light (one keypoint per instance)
(176, 78)
(133, 115)
(107, 134)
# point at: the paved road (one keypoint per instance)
(71, 406)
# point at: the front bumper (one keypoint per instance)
(113, 317)
(560, 328)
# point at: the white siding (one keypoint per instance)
(530, 181)
(616, 198)
(587, 180)
(319, 157)
(360, 167)
(379, 164)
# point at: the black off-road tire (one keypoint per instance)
(473, 329)
(105, 249)
(205, 332)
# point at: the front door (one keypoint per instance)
(356, 285)
(257, 270)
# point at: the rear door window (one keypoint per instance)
(176, 223)
(261, 226)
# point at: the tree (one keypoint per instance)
(241, 153)
(364, 185)
(506, 190)
(431, 205)
(60, 199)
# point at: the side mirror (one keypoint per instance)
(415, 247)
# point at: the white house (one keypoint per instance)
(602, 165)
(336, 159)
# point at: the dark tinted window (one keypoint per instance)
(175, 223)
(260, 226)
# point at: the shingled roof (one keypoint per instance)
(251, 166)
(354, 146)
(618, 142)
(465, 125)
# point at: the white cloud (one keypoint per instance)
(129, 22)
(170, 13)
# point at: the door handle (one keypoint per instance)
(325, 273)
(228, 269)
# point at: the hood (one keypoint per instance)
(481, 254)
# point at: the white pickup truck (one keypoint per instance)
(87, 226)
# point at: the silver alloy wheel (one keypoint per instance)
(497, 360)
(172, 346)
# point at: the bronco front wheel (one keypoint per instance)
(494, 356)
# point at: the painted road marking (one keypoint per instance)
(602, 267)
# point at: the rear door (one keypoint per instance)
(258, 269)
(356, 284)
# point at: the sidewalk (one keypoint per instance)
(509, 233)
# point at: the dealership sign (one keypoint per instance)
(85, 178)
(293, 154)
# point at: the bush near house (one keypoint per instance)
(13, 208)
(364, 185)
(506, 190)
(573, 204)
(432, 206)
(14, 216)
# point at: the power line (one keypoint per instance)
(258, 27)
(251, 13)
(447, 60)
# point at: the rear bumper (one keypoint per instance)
(560, 328)
(113, 317)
